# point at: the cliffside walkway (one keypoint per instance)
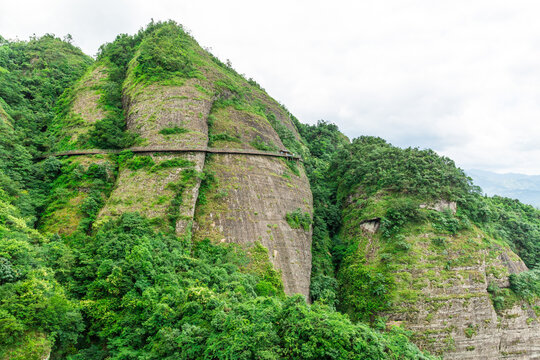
(283, 154)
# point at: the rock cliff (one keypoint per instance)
(82, 176)
(441, 284)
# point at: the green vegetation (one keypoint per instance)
(34, 74)
(258, 264)
(323, 141)
(298, 219)
(173, 130)
(260, 144)
(199, 305)
(188, 178)
(509, 220)
(502, 299)
(471, 331)
(366, 291)
(163, 54)
(526, 284)
(371, 164)
(155, 295)
(35, 311)
(136, 162)
(67, 208)
(213, 138)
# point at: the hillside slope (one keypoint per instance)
(414, 255)
(161, 255)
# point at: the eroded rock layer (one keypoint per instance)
(83, 107)
(249, 203)
(86, 181)
(162, 186)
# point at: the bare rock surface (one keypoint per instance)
(441, 205)
(456, 317)
(162, 194)
(154, 108)
(441, 285)
(371, 225)
(251, 201)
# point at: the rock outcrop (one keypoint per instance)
(166, 189)
(249, 203)
(441, 287)
(441, 205)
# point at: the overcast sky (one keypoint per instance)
(461, 77)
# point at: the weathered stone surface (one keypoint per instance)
(371, 226)
(151, 193)
(252, 198)
(461, 323)
(246, 126)
(85, 109)
(153, 108)
(441, 205)
(441, 281)
(154, 194)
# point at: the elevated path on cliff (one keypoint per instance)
(281, 154)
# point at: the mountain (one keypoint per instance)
(418, 252)
(156, 204)
(525, 188)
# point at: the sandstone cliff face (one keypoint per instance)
(252, 194)
(459, 319)
(441, 289)
(153, 108)
(167, 189)
(84, 111)
(249, 204)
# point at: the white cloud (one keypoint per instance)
(460, 77)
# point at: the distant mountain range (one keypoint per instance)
(525, 188)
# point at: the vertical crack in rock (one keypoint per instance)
(166, 190)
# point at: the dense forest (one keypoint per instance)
(128, 290)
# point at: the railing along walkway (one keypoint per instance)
(176, 150)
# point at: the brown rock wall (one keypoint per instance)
(152, 108)
(163, 194)
(250, 202)
(459, 320)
